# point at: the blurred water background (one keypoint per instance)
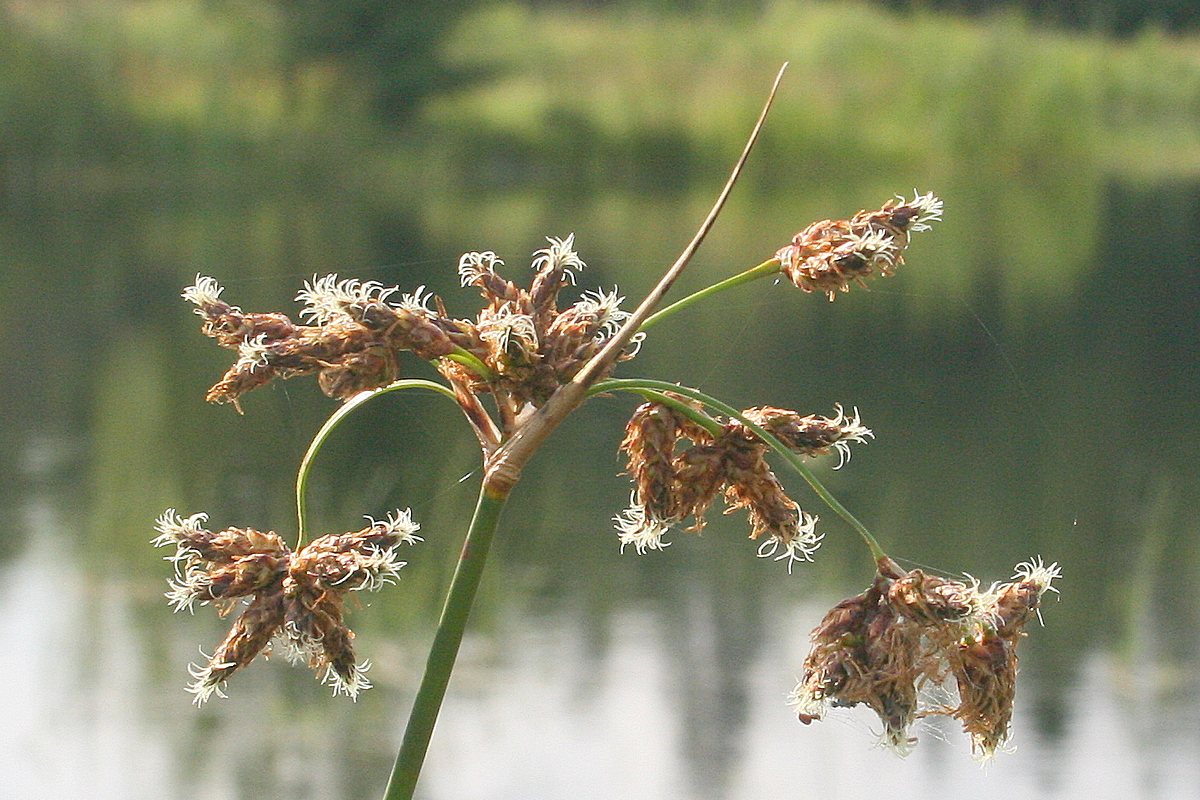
(1031, 376)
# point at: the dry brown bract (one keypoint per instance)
(909, 631)
(296, 596)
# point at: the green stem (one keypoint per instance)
(641, 385)
(444, 650)
(764, 269)
(334, 420)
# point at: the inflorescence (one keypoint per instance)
(519, 349)
(295, 596)
(671, 486)
(910, 631)
(829, 255)
(907, 632)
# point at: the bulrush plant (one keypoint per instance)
(516, 371)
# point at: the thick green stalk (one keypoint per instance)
(769, 267)
(446, 641)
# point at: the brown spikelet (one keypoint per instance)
(699, 474)
(829, 255)
(753, 486)
(811, 435)
(864, 652)
(649, 443)
(984, 667)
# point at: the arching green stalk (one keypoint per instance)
(764, 269)
(335, 419)
(647, 387)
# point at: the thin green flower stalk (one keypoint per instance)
(330, 425)
(516, 371)
(769, 267)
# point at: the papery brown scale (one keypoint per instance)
(314, 620)
(246, 576)
(366, 540)
(337, 650)
(498, 291)
(650, 437)
(358, 372)
(232, 327)
(894, 218)
(753, 486)
(544, 289)
(322, 345)
(524, 383)
(332, 564)
(229, 544)
(566, 368)
(250, 633)
(769, 509)
(236, 382)
(426, 338)
(699, 473)
(894, 663)
(568, 338)
(929, 600)
(1015, 604)
(985, 670)
(245, 541)
(462, 332)
(494, 289)
(311, 609)
(808, 435)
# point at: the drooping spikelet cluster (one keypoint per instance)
(296, 596)
(829, 255)
(520, 348)
(673, 482)
(910, 631)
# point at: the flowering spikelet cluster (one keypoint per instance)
(670, 486)
(909, 631)
(355, 336)
(530, 346)
(829, 255)
(297, 596)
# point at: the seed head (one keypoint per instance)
(829, 255)
(294, 596)
(670, 486)
(813, 435)
(910, 631)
